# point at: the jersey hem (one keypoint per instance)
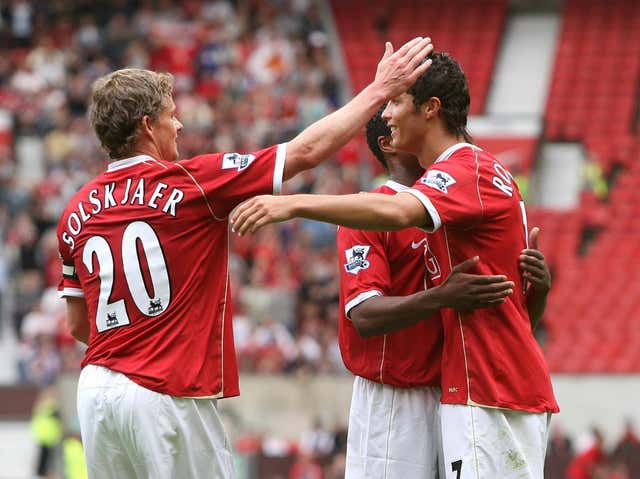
(403, 385)
(505, 406)
(220, 395)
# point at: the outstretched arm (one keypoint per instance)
(368, 211)
(536, 272)
(395, 74)
(461, 291)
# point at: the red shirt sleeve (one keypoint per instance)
(364, 267)
(450, 191)
(227, 179)
(69, 284)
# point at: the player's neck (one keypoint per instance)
(146, 148)
(435, 145)
(402, 174)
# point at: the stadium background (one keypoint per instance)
(554, 89)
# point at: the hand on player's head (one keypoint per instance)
(397, 71)
(253, 214)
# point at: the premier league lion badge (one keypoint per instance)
(356, 258)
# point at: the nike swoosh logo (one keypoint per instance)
(415, 245)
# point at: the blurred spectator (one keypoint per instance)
(559, 454)
(73, 460)
(247, 74)
(589, 458)
(317, 442)
(46, 428)
(305, 467)
(627, 450)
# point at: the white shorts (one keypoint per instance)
(132, 432)
(485, 443)
(393, 432)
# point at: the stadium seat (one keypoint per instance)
(480, 29)
(593, 100)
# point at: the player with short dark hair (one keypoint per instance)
(390, 331)
(496, 390)
(144, 247)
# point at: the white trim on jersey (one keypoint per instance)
(127, 162)
(452, 149)
(68, 270)
(278, 171)
(431, 210)
(361, 298)
(71, 292)
(395, 186)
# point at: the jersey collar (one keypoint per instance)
(452, 149)
(395, 186)
(127, 162)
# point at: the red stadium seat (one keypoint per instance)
(478, 30)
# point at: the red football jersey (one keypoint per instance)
(388, 264)
(146, 243)
(490, 356)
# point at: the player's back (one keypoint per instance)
(490, 356)
(152, 262)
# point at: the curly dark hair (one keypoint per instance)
(445, 80)
(377, 127)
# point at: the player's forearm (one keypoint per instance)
(536, 304)
(368, 211)
(325, 137)
(387, 314)
(77, 319)
(80, 331)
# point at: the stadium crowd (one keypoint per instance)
(248, 74)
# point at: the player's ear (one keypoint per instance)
(384, 143)
(431, 107)
(146, 124)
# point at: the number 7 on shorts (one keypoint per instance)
(456, 466)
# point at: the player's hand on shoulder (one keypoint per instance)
(253, 214)
(397, 71)
(464, 291)
(533, 265)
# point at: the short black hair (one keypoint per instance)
(445, 80)
(377, 127)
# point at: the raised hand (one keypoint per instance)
(397, 71)
(258, 211)
(533, 266)
(464, 291)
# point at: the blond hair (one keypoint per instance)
(120, 100)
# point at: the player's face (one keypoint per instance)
(405, 122)
(166, 132)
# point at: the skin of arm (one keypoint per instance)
(366, 211)
(536, 272)
(386, 314)
(461, 291)
(395, 74)
(77, 319)
(536, 304)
